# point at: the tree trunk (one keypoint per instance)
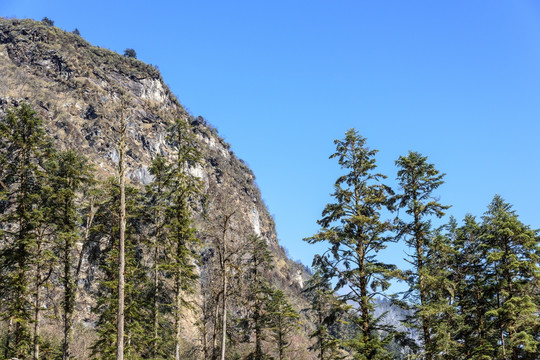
(8, 338)
(258, 338)
(178, 312)
(156, 294)
(422, 290)
(69, 300)
(215, 330)
(121, 256)
(37, 317)
(364, 300)
(419, 243)
(224, 315)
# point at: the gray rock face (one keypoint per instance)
(75, 87)
(81, 109)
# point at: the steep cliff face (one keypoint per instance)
(74, 87)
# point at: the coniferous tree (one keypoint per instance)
(43, 260)
(440, 286)
(259, 292)
(513, 267)
(24, 149)
(418, 179)
(105, 252)
(328, 311)
(157, 200)
(70, 173)
(282, 321)
(471, 297)
(181, 238)
(356, 233)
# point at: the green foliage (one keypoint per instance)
(356, 233)
(181, 240)
(105, 237)
(24, 149)
(70, 174)
(329, 311)
(282, 321)
(418, 179)
(130, 53)
(48, 22)
(259, 294)
(513, 276)
(482, 286)
(158, 292)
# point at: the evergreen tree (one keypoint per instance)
(157, 202)
(418, 179)
(513, 267)
(70, 173)
(440, 286)
(105, 250)
(328, 310)
(356, 233)
(471, 297)
(181, 238)
(282, 321)
(44, 259)
(259, 292)
(24, 149)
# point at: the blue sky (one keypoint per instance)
(458, 81)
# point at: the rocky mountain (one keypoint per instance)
(74, 87)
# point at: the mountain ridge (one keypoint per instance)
(74, 87)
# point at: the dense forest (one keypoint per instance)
(474, 290)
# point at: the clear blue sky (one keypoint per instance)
(458, 81)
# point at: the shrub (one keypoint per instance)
(76, 32)
(47, 21)
(130, 53)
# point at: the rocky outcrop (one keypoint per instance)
(76, 88)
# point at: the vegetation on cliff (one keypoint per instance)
(204, 274)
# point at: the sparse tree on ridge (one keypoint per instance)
(47, 21)
(130, 53)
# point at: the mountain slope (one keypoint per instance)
(74, 87)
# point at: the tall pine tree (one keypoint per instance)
(24, 149)
(104, 252)
(70, 174)
(418, 179)
(181, 234)
(353, 227)
(513, 267)
(328, 311)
